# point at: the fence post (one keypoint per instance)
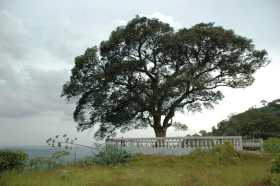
(261, 145)
(240, 143)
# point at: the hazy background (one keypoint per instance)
(39, 40)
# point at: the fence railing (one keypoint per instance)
(252, 144)
(174, 145)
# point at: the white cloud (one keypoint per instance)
(158, 15)
(164, 18)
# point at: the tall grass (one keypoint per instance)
(198, 169)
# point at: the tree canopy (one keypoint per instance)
(146, 71)
(261, 122)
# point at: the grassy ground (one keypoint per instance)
(192, 170)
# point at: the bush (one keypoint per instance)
(12, 159)
(272, 145)
(275, 168)
(220, 154)
(47, 163)
(42, 163)
(111, 156)
(225, 153)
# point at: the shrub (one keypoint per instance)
(225, 154)
(111, 156)
(46, 163)
(220, 154)
(272, 145)
(275, 168)
(12, 159)
(42, 163)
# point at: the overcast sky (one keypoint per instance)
(39, 40)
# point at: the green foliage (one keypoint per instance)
(276, 164)
(42, 163)
(272, 145)
(275, 180)
(111, 156)
(47, 163)
(263, 122)
(146, 71)
(220, 154)
(225, 153)
(12, 159)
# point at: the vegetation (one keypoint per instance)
(263, 122)
(42, 163)
(111, 156)
(218, 167)
(272, 145)
(146, 71)
(47, 163)
(276, 164)
(12, 159)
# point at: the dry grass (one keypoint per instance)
(193, 170)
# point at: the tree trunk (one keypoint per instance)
(160, 131)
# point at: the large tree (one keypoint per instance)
(146, 71)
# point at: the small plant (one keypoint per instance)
(111, 156)
(62, 142)
(12, 159)
(66, 143)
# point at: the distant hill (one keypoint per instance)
(261, 122)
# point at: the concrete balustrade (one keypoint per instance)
(174, 145)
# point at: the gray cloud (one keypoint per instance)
(13, 35)
(31, 92)
(27, 88)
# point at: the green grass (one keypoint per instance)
(198, 169)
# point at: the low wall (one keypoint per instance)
(173, 145)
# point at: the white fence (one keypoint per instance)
(252, 144)
(173, 145)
